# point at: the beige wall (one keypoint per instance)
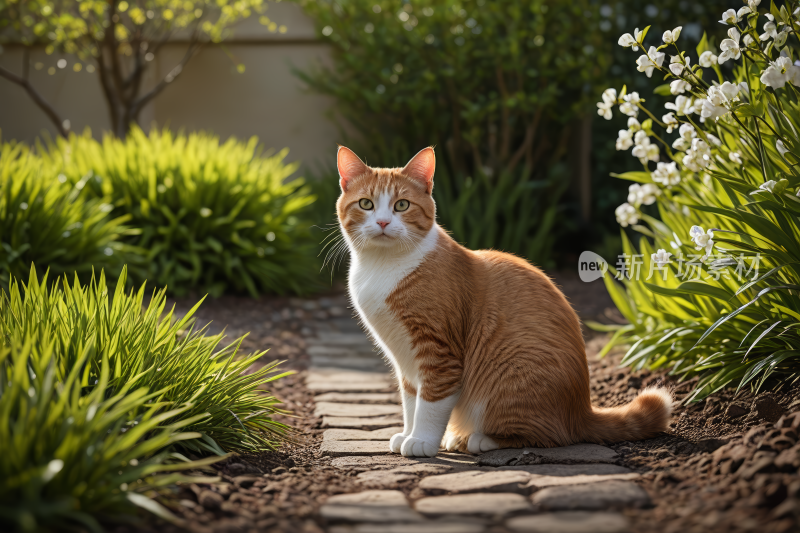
(267, 100)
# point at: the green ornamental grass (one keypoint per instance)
(212, 217)
(100, 395)
(47, 221)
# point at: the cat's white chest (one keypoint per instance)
(373, 277)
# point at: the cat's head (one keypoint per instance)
(384, 208)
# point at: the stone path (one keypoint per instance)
(575, 489)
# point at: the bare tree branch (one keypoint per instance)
(194, 46)
(43, 104)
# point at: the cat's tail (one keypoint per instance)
(643, 418)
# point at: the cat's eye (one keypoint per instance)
(401, 205)
(365, 204)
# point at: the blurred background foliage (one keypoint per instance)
(506, 90)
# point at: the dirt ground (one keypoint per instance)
(729, 463)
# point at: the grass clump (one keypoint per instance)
(200, 216)
(47, 221)
(101, 396)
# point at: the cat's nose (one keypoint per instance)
(383, 223)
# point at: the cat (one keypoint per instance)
(487, 351)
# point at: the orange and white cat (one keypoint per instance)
(487, 351)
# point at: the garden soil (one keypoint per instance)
(729, 463)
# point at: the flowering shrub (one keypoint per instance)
(712, 289)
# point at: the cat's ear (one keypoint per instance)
(421, 167)
(349, 165)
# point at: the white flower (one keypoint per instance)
(742, 12)
(643, 194)
(646, 63)
(702, 240)
(644, 149)
(634, 125)
(679, 86)
(629, 106)
(780, 72)
(681, 144)
(729, 90)
(609, 96)
(625, 139)
(677, 64)
(770, 29)
(698, 156)
(681, 106)
(609, 100)
(670, 122)
(661, 257)
(730, 47)
(768, 186)
(729, 17)
(628, 40)
(667, 174)
(670, 37)
(626, 215)
(714, 106)
(687, 131)
(753, 4)
(736, 157)
(714, 140)
(748, 40)
(633, 194)
(781, 148)
(707, 59)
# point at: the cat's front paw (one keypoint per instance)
(396, 442)
(415, 447)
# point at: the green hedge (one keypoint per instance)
(184, 211)
(44, 219)
(100, 396)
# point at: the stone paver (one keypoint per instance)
(429, 526)
(342, 448)
(354, 362)
(355, 409)
(374, 422)
(477, 481)
(589, 469)
(570, 522)
(593, 497)
(518, 481)
(386, 462)
(326, 386)
(358, 397)
(541, 482)
(338, 375)
(341, 351)
(577, 453)
(493, 504)
(370, 506)
(360, 434)
(388, 478)
(341, 339)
